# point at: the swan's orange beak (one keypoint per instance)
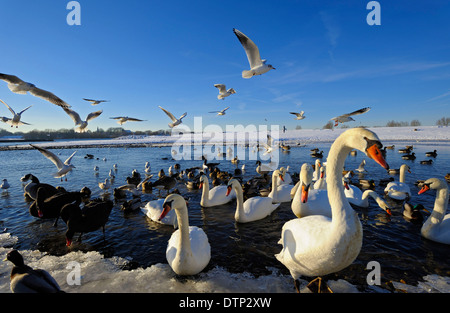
(304, 197)
(200, 185)
(346, 186)
(374, 153)
(167, 206)
(281, 177)
(228, 190)
(425, 188)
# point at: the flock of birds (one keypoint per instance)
(258, 66)
(324, 237)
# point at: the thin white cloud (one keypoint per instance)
(439, 97)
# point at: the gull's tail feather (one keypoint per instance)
(247, 74)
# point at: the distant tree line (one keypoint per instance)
(445, 121)
(50, 134)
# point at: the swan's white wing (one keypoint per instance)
(250, 48)
(93, 115)
(73, 115)
(47, 95)
(50, 155)
(11, 79)
(170, 115)
(67, 162)
(9, 108)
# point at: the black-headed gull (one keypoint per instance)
(175, 121)
(347, 117)
(95, 102)
(123, 119)
(220, 112)
(223, 92)
(298, 116)
(15, 121)
(81, 126)
(63, 168)
(16, 85)
(257, 66)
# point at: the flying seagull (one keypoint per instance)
(175, 121)
(299, 116)
(81, 126)
(95, 102)
(220, 112)
(347, 117)
(16, 85)
(123, 119)
(257, 66)
(15, 121)
(63, 168)
(223, 92)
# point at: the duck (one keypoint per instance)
(447, 177)
(135, 178)
(235, 160)
(427, 162)
(25, 279)
(279, 193)
(188, 250)
(399, 190)
(405, 150)
(214, 197)
(391, 147)
(131, 205)
(317, 245)
(31, 188)
(357, 197)
(153, 210)
(262, 169)
(413, 213)
(165, 183)
(254, 208)
(431, 154)
(317, 154)
(411, 156)
(91, 217)
(437, 225)
(49, 207)
(208, 166)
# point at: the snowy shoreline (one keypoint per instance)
(290, 137)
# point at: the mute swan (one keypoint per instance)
(215, 196)
(321, 183)
(283, 192)
(252, 209)
(153, 210)
(358, 198)
(308, 201)
(437, 226)
(399, 190)
(317, 166)
(318, 245)
(287, 179)
(188, 251)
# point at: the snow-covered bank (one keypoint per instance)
(293, 137)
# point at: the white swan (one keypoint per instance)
(437, 226)
(318, 245)
(252, 209)
(153, 210)
(361, 199)
(188, 250)
(215, 196)
(399, 190)
(321, 183)
(279, 193)
(317, 166)
(308, 201)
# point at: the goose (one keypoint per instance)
(279, 192)
(91, 217)
(252, 209)
(358, 198)
(188, 250)
(399, 190)
(16, 85)
(25, 279)
(437, 225)
(63, 168)
(80, 125)
(30, 190)
(318, 245)
(223, 92)
(431, 154)
(175, 121)
(153, 210)
(15, 121)
(257, 66)
(215, 196)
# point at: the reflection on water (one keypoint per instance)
(391, 240)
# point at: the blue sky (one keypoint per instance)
(142, 54)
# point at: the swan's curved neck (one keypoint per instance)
(440, 208)
(275, 186)
(340, 208)
(239, 202)
(183, 225)
(205, 191)
(402, 174)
